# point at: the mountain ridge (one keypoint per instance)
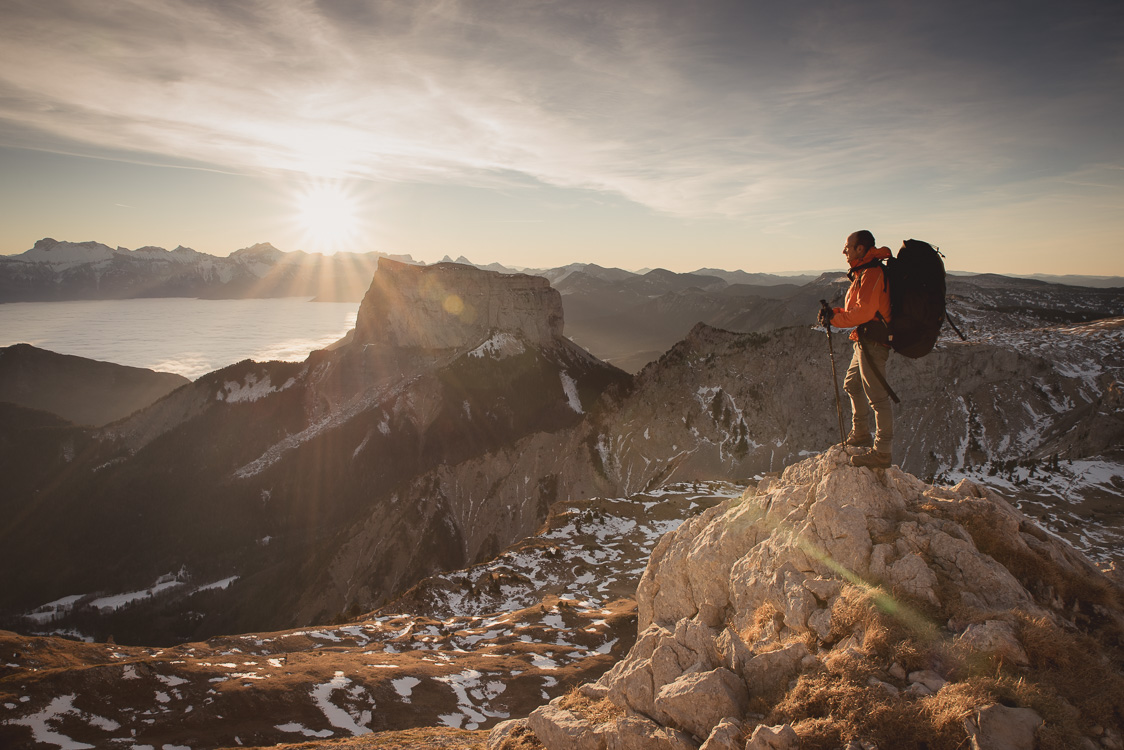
(342, 463)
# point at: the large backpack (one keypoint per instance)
(917, 288)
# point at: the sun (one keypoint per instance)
(328, 217)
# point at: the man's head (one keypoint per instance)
(858, 244)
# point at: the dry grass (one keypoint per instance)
(425, 738)
(1067, 683)
(521, 738)
(596, 712)
(768, 620)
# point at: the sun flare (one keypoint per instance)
(328, 216)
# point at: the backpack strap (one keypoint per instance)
(878, 375)
(864, 266)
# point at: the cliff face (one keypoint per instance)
(448, 305)
(836, 605)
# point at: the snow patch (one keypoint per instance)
(353, 721)
(404, 686)
(61, 706)
(570, 388)
(252, 390)
(500, 346)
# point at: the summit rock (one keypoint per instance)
(835, 605)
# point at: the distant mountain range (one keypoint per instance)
(625, 318)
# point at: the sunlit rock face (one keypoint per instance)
(448, 306)
(834, 600)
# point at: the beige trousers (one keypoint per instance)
(868, 395)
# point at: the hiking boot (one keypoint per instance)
(872, 459)
(855, 440)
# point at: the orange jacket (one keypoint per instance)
(866, 296)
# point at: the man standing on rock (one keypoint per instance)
(867, 310)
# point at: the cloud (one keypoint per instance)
(726, 110)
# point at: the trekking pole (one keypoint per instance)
(834, 376)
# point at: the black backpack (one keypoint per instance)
(915, 280)
(917, 289)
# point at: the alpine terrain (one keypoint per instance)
(448, 522)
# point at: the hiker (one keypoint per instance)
(867, 310)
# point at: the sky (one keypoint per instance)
(730, 134)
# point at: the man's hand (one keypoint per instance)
(825, 316)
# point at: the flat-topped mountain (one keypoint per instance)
(450, 305)
(313, 487)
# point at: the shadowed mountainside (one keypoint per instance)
(80, 390)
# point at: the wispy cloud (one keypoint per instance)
(720, 110)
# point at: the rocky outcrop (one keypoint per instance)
(843, 607)
(449, 305)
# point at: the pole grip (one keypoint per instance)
(826, 313)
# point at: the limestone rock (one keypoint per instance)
(767, 672)
(728, 735)
(638, 733)
(995, 638)
(999, 727)
(846, 590)
(781, 737)
(503, 734)
(698, 701)
(558, 729)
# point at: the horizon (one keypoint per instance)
(638, 271)
(753, 138)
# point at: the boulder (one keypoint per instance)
(558, 729)
(728, 735)
(639, 733)
(781, 737)
(999, 727)
(995, 638)
(698, 701)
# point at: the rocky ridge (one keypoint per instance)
(321, 486)
(1036, 413)
(452, 305)
(842, 607)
